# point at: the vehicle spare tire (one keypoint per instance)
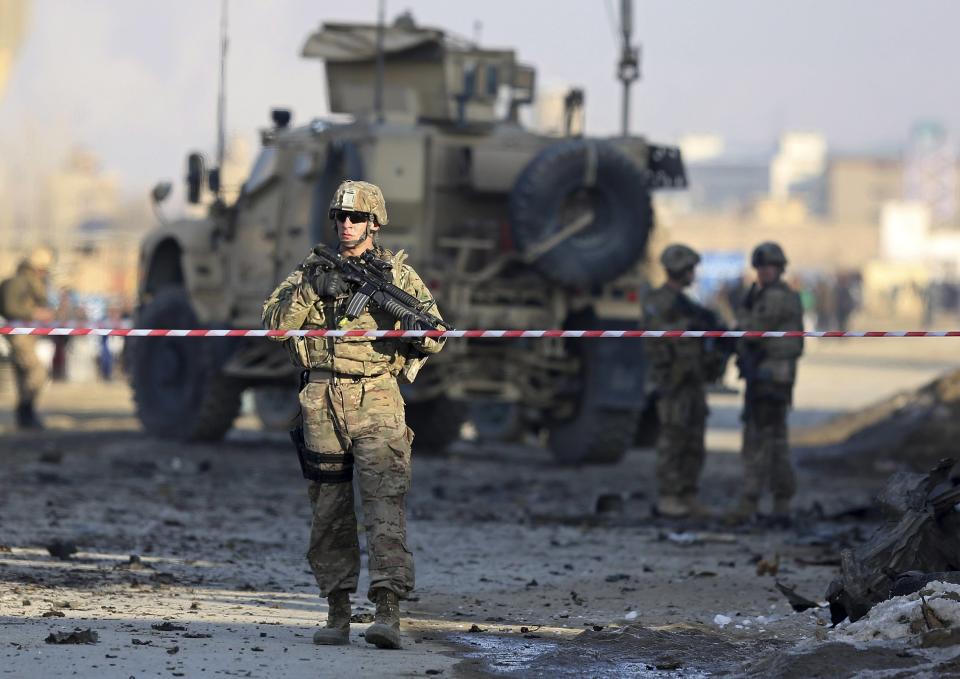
(572, 183)
(178, 388)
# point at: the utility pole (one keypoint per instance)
(628, 70)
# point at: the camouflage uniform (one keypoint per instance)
(353, 416)
(22, 295)
(677, 373)
(769, 367)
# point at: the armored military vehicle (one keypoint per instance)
(510, 229)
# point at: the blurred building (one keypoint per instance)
(722, 177)
(930, 171)
(798, 171)
(14, 15)
(81, 201)
(859, 186)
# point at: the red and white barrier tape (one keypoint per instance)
(486, 334)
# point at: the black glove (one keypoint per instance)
(330, 283)
(410, 322)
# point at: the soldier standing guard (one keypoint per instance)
(353, 418)
(679, 373)
(23, 297)
(769, 367)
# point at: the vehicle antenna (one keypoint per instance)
(222, 93)
(628, 70)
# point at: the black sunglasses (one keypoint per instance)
(355, 217)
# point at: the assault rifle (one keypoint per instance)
(372, 279)
(717, 349)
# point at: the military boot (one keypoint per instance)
(780, 518)
(671, 507)
(27, 417)
(745, 512)
(385, 630)
(337, 630)
(693, 506)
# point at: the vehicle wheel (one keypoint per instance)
(276, 406)
(496, 421)
(436, 423)
(589, 181)
(177, 386)
(609, 388)
(594, 436)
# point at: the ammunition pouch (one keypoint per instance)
(311, 462)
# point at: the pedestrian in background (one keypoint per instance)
(23, 298)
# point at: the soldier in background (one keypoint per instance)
(353, 415)
(769, 367)
(680, 370)
(23, 297)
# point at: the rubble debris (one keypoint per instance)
(78, 636)
(769, 566)
(62, 549)
(168, 627)
(914, 581)
(52, 614)
(912, 427)
(691, 650)
(51, 457)
(818, 561)
(687, 538)
(196, 635)
(922, 533)
(362, 618)
(173, 650)
(164, 578)
(934, 609)
(134, 563)
(797, 602)
(475, 629)
(5, 549)
(139, 642)
(610, 503)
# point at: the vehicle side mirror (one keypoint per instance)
(213, 180)
(161, 191)
(195, 177)
(281, 117)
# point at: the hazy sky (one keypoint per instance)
(135, 80)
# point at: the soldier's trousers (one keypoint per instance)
(766, 450)
(366, 419)
(680, 447)
(28, 371)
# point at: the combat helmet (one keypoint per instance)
(768, 253)
(678, 257)
(356, 196)
(40, 258)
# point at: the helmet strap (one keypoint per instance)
(355, 242)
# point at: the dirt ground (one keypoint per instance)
(190, 557)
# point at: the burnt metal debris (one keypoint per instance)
(919, 541)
